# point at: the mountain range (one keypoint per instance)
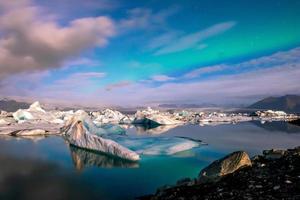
(10, 105)
(287, 103)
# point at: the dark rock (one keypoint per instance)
(184, 181)
(295, 122)
(273, 153)
(224, 166)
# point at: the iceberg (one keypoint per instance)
(110, 116)
(30, 129)
(154, 117)
(81, 132)
(35, 113)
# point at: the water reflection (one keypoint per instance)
(35, 138)
(84, 158)
(278, 126)
(33, 179)
(154, 129)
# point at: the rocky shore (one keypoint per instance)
(273, 175)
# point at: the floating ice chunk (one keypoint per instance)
(22, 115)
(34, 112)
(4, 121)
(36, 107)
(110, 116)
(27, 128)
(32, 132)
(154, 117)
(156, 145)
(80, 131)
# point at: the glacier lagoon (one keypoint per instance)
(41, 168)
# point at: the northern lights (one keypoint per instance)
(148, 39)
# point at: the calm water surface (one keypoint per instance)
(51, 169)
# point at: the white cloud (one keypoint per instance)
(204, 70)
(32, 40)
(162, 78)
(175, 44)
(145, 18)
(291, 57)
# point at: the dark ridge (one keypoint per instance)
(287, 103)
(12, 105)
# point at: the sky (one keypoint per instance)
(137, 52)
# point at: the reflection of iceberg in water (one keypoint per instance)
(84, 158)
(154, 130)
(276, 126)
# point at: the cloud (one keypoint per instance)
(32, 85)
(242, 88)
(163, 40)
(204, 70)
(120, 84)
(162, 78)
(144, 18)
(291, 57)
(32, 40)
(278, 78)
(171, 44)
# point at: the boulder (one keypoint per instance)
(273, 154)
(224, 166)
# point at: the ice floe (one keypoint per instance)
(80, 131)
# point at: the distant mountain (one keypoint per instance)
(186, 105)
(12, 105)
(287, 103)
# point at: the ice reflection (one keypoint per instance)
(84, 158)
(34, 179)
(277, 126)
(154, 130)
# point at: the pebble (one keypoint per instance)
(288, 181)
(276, 187)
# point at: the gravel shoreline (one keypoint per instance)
(273, 175)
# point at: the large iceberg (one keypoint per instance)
(81, 132)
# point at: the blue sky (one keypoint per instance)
(129, 53)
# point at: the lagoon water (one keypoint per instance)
(49, 168)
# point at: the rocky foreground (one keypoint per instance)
(273, 175)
